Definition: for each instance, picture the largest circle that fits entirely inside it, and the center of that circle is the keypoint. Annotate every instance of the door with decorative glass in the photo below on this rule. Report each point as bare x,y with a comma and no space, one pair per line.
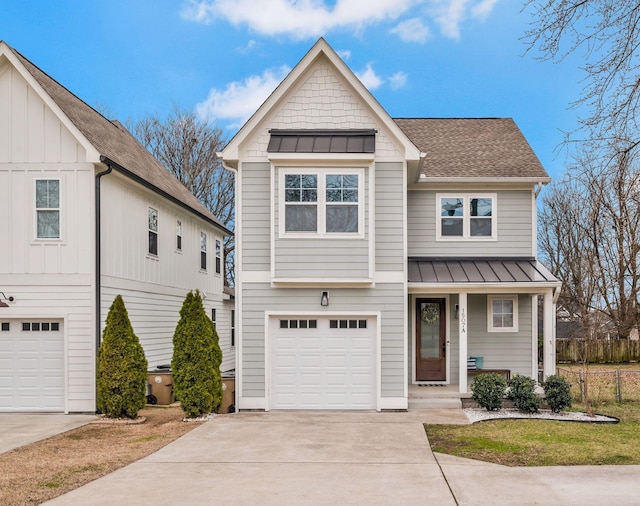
431,347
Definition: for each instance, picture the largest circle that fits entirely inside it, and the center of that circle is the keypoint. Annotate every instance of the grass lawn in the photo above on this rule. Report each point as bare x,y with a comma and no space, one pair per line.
546,443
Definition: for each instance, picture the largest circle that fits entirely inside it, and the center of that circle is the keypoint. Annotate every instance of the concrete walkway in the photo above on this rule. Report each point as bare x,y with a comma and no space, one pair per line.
341,458
20,429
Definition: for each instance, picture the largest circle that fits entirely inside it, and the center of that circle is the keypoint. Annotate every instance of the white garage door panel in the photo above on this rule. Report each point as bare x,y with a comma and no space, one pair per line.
31,368
322,367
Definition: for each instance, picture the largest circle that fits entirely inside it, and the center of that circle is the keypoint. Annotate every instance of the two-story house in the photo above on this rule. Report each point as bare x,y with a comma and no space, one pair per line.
87,213
376,254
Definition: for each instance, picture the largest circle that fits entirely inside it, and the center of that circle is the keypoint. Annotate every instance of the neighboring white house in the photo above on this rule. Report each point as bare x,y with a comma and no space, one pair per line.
376,254
87,213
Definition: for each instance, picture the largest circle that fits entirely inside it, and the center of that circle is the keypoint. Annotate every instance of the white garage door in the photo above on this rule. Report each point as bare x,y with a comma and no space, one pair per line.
323,363
31,365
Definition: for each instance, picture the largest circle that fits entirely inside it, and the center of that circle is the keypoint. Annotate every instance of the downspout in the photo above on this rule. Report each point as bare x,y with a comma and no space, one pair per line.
98,254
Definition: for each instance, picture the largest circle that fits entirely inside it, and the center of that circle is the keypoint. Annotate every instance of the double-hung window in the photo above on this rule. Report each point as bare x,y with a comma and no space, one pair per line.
218,256
502,313
153,231
203,251
322,202
179,235
48,208
470,217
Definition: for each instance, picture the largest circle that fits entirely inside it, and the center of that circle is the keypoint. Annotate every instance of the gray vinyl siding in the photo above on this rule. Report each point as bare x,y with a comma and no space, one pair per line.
390,196
256,217
514,222
260,297
501,350
318,257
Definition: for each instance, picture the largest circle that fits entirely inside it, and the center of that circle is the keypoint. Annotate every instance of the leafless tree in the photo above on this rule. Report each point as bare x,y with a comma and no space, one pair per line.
606,35
187,147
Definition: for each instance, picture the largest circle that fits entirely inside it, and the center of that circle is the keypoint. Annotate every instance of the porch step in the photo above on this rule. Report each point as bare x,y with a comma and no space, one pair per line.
435,403
434,397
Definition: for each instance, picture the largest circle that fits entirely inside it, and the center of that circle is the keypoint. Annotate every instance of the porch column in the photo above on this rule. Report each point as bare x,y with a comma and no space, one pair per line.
548,336
462,332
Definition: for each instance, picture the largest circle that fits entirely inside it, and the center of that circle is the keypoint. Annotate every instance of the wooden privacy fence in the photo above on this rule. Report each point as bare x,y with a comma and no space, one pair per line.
610,385
597,351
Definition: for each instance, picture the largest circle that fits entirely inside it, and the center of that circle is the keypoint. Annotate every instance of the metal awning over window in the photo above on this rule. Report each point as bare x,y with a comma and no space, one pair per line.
495,270
322,141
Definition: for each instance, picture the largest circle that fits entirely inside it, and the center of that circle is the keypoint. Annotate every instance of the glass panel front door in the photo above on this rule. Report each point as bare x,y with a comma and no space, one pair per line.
430,340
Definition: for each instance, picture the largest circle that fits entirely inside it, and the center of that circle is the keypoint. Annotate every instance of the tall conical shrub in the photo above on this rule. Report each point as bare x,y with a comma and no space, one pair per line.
194,360
217,375
122,367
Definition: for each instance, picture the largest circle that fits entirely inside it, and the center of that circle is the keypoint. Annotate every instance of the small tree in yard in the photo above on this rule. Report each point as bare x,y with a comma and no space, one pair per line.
194,364
217,375
122,367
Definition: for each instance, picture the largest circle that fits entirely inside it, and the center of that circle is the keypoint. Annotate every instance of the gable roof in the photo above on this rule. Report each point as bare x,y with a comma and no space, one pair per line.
320,49
115,144
473,148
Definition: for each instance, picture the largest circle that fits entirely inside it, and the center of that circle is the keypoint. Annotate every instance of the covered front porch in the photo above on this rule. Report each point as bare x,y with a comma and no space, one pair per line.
487,309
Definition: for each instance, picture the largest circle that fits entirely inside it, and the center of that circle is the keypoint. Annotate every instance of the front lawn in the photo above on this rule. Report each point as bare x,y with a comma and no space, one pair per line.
545,443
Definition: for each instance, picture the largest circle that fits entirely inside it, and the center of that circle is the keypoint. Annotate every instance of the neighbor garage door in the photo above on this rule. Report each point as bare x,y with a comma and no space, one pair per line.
323,363
31,365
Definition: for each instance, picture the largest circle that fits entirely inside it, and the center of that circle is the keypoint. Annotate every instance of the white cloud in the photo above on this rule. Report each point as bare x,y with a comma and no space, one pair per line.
240,99
449,14
247,47
345,54
398,80
369,78
298,18
411,30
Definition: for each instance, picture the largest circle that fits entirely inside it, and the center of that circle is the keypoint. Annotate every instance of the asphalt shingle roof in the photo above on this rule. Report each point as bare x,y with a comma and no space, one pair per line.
472,147
115,142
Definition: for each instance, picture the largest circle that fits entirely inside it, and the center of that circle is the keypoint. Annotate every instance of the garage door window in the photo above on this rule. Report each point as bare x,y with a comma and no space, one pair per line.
347,324
40,326
298,324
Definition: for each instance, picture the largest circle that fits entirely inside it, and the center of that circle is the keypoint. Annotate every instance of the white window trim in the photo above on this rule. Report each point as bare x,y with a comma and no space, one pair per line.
490,299
180,234
466,234
218,257
321,172
157,232
206,251
36,209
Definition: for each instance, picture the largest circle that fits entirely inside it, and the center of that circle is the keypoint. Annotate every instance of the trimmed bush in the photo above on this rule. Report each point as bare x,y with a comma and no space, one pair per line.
557,391
488,390
121,374
522,393
194,360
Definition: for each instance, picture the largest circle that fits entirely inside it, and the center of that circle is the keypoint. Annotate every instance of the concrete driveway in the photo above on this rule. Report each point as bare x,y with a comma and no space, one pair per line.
341,458
20,429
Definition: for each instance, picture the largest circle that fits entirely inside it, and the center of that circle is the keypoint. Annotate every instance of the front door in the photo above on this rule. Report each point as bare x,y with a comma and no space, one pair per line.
431,348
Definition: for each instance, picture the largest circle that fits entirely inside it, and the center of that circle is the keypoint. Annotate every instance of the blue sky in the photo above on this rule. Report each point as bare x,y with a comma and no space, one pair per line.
221,58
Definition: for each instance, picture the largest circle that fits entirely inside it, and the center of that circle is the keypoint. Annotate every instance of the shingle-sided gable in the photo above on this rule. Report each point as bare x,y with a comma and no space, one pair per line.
470,147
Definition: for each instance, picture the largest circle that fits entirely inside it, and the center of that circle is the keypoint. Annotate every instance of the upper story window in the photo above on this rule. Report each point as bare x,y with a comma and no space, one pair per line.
153,231
203,251
466,217
502,313
48,208
179,235
218,256
322,202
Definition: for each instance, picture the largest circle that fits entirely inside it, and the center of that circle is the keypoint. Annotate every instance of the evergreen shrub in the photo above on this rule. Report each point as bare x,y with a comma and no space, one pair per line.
196,380
121,373
522,393
488,390
557,391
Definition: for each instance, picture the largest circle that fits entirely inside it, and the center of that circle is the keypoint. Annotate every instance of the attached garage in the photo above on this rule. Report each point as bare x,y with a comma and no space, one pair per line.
323,362
31,365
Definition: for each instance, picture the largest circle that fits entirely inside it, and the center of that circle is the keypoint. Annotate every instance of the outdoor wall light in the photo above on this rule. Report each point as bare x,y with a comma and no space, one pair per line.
457,311
324,299
2,302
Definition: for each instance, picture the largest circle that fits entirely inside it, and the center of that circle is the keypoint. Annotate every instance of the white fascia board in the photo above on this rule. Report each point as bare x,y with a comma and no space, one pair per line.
93,156
529,288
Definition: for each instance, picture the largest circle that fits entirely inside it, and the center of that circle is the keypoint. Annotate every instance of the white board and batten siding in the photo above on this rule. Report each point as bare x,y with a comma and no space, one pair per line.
153,287
50,279
514,220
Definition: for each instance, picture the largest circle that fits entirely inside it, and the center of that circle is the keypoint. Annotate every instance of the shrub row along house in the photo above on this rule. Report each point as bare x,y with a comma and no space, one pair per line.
88,213
372,254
